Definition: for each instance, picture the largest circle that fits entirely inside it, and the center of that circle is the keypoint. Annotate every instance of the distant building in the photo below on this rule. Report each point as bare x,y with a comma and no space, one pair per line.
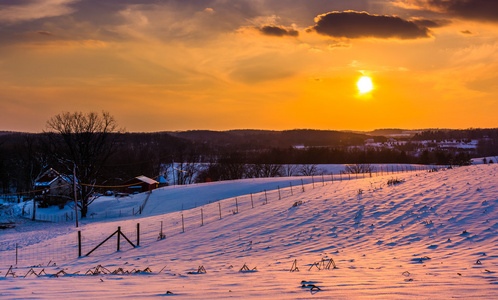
140,184
53,188
162,181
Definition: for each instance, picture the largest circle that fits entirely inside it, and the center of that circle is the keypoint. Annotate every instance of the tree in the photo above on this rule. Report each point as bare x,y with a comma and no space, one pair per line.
358,169
290,170
308,170
82,143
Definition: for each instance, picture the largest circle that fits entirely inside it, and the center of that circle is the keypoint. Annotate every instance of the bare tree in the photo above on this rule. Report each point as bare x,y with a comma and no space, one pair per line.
33,159
254,170
358,169
290,170
263,170
308,170
272,170
82,143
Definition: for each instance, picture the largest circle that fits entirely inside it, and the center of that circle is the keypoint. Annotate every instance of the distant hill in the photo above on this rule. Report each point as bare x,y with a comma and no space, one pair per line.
250,139
6,132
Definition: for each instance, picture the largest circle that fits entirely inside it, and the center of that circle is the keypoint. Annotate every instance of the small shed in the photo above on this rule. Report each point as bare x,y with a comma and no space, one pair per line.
162,181
140,184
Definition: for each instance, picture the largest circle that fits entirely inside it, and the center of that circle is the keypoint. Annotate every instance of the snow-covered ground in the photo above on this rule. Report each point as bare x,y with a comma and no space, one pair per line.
433,235
177,198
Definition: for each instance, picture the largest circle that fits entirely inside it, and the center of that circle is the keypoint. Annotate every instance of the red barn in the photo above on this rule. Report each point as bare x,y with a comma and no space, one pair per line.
140,184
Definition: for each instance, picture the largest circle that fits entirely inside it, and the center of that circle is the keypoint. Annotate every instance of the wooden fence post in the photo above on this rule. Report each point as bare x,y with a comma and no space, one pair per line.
202,218
219,206
279,192
290,183
252,203
138,234
237,204
161,234
313,181
302,184
183,225
119,237
266,198
79,243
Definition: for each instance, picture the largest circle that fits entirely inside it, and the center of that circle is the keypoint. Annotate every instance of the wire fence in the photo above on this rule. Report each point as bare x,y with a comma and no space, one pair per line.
67,247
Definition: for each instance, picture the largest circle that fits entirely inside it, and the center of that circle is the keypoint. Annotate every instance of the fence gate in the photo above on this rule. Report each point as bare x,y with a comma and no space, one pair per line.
118,233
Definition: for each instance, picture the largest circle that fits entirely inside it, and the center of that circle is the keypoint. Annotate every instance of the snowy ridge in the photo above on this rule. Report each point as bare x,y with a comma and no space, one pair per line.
432,235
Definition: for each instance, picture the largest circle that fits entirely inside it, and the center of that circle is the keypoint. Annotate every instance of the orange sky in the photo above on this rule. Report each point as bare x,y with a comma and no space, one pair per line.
201,64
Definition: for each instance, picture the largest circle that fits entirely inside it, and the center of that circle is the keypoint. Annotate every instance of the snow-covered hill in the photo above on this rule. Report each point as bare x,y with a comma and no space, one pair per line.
432,235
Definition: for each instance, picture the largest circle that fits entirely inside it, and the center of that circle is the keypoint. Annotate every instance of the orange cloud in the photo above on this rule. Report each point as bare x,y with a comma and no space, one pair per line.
36,9
279,31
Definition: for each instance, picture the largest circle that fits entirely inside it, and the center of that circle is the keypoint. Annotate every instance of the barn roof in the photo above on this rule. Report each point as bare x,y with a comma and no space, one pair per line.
146,179
49,176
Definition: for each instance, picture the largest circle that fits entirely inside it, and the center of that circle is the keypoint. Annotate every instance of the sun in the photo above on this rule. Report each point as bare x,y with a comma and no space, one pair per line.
364,85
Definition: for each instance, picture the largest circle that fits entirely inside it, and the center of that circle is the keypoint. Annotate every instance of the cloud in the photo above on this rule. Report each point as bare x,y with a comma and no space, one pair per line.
263,68
352,24
46,33
480,10
339,45
467,32
430,23
279,31
33,10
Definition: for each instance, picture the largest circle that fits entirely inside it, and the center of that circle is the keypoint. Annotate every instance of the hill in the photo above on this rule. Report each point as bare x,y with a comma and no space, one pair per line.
264,139
410,235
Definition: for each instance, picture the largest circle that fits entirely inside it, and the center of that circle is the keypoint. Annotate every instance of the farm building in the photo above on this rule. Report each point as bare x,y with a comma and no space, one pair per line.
140,184
53,188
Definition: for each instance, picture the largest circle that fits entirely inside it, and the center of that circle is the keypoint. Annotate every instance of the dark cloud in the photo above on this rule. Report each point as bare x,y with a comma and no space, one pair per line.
472,9
46,33
352,24
279,31
481,10
431,23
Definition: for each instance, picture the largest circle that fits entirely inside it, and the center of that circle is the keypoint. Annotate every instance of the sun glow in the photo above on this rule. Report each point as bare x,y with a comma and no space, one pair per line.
364,85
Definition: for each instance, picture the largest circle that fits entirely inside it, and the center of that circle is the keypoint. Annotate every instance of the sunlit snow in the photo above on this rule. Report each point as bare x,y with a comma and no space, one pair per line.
433,235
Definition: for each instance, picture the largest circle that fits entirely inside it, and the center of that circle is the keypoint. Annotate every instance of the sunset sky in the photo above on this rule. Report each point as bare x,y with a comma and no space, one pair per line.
261,64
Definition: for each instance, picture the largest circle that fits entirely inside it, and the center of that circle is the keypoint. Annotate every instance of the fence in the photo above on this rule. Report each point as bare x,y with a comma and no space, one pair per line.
66,247
11,198
118,213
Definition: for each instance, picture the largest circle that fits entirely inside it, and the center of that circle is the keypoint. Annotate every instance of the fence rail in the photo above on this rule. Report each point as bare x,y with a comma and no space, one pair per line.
68,247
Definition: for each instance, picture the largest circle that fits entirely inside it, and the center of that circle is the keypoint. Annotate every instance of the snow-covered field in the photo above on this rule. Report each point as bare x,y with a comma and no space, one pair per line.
431,236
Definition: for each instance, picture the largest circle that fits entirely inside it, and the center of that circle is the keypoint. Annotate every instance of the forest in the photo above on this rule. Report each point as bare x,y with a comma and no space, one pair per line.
222,155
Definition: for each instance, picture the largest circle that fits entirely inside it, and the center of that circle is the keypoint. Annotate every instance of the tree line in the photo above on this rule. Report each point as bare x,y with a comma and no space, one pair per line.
92,146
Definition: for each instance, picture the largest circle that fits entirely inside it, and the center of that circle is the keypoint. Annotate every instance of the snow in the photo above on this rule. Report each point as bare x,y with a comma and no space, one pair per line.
432,236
